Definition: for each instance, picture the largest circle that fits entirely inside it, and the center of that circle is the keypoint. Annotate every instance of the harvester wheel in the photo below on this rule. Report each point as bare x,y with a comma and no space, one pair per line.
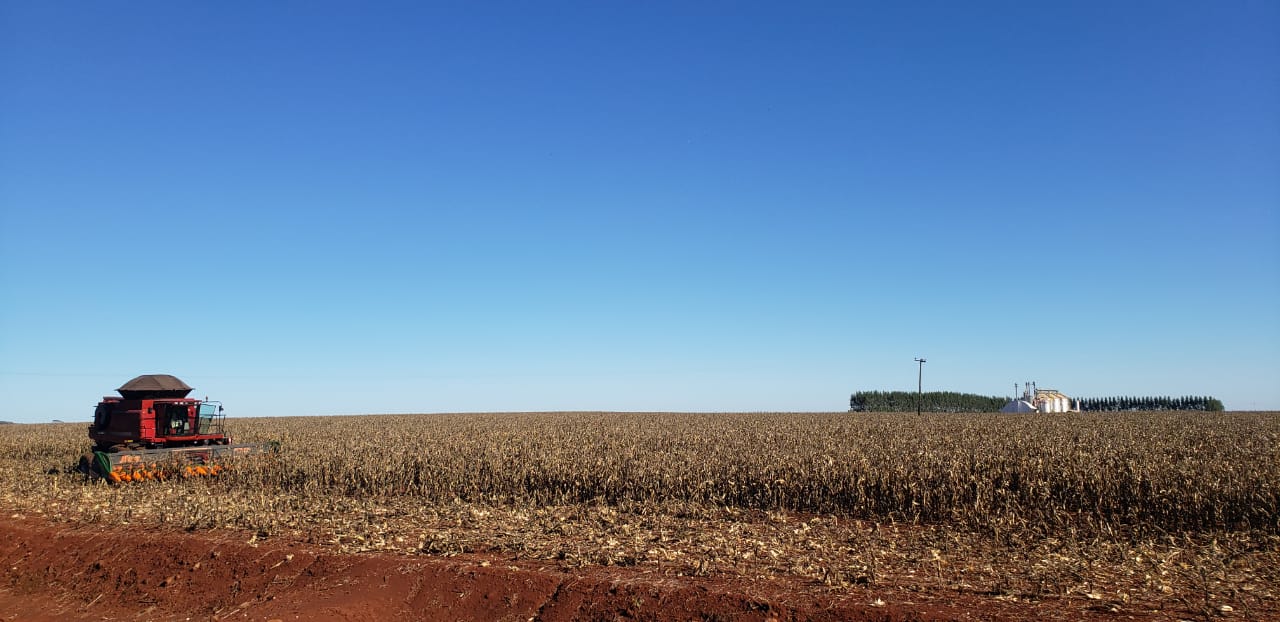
86,464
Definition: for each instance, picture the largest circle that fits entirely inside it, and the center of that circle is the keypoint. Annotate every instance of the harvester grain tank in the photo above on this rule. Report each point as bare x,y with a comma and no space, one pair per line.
154,431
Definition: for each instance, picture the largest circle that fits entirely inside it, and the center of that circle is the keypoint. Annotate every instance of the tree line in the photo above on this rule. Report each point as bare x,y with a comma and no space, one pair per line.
1188,402
932,401
953,402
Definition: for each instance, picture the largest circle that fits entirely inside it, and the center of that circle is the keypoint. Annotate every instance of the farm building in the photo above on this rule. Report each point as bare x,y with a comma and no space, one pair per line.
1036,400
1018,406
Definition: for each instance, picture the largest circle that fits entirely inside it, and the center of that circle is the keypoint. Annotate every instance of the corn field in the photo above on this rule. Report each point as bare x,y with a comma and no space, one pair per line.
1167,472
1187,471
1186,500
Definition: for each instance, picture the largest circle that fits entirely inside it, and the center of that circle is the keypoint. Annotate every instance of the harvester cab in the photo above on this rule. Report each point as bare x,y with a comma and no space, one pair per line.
209,417
154,431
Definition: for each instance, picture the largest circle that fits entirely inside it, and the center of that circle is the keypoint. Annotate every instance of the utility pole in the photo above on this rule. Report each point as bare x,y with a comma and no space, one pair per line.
919,383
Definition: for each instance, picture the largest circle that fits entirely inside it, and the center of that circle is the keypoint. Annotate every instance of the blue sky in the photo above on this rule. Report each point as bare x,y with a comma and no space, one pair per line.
335,207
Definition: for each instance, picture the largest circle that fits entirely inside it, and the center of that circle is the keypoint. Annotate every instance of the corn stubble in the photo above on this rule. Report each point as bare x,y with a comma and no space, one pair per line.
1125,511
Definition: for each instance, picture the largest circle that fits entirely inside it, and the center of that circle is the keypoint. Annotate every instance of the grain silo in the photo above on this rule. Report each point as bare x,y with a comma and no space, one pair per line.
1041,401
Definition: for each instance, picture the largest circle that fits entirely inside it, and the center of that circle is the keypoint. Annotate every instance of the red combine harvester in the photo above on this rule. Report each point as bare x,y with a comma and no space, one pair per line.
154,431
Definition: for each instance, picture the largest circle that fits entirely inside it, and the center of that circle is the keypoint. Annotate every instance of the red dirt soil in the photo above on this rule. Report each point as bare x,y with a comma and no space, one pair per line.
84,572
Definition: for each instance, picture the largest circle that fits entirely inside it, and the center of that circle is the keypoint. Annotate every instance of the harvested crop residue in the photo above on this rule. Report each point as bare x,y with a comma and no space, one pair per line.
85,572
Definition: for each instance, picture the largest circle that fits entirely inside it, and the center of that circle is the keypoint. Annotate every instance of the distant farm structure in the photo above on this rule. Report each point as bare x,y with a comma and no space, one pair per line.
1032,400
1036,400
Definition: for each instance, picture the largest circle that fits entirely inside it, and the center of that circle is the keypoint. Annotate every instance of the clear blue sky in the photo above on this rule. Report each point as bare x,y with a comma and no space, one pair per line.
338,207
